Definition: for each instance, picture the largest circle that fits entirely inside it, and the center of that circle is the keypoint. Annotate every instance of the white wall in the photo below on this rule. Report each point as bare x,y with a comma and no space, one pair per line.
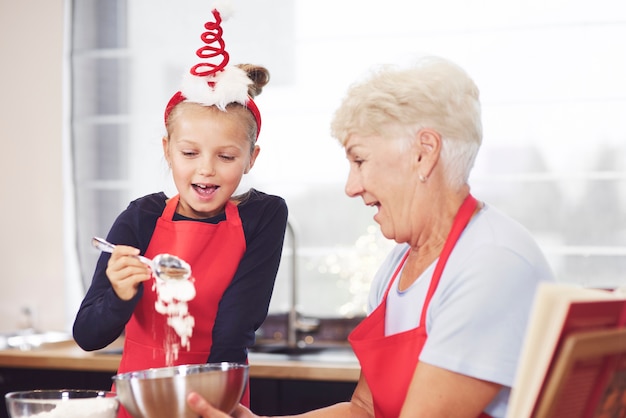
31,125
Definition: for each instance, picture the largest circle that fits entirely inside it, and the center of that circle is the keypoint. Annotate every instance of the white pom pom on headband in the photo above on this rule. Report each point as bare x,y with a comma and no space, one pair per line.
212,84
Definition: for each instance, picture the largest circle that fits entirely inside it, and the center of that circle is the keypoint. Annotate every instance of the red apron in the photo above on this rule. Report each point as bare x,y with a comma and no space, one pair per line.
388,362
213,251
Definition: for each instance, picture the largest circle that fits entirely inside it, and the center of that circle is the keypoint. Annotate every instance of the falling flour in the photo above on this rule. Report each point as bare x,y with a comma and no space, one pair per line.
172,298
80,408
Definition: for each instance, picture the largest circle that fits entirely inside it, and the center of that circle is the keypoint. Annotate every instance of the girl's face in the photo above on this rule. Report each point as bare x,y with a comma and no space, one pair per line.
208,151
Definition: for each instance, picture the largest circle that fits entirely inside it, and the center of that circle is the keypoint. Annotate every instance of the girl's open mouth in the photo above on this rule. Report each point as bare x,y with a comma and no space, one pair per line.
204,190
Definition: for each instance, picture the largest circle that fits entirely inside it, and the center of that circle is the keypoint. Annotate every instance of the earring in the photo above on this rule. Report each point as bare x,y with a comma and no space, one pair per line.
422,178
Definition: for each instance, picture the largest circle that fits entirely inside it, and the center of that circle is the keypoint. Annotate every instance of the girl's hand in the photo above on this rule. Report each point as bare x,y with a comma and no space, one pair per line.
125,271
200,406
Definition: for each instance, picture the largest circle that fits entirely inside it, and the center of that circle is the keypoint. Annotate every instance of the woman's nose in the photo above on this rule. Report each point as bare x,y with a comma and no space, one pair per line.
353,185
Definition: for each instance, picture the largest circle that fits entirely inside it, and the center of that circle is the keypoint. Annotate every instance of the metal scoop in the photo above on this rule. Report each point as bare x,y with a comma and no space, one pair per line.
164,266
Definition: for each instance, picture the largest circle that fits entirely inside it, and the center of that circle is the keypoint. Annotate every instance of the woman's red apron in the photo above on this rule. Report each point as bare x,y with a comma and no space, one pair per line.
388,362
213,251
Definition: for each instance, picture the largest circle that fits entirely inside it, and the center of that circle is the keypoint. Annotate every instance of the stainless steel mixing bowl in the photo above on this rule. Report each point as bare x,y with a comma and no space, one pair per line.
162,392
64,403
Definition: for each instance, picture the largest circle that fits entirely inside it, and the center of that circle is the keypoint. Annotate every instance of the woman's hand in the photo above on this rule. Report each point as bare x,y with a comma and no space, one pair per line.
360,406
125,271
200,406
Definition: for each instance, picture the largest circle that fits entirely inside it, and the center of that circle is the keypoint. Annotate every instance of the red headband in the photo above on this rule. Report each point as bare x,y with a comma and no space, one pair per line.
178,97
207,78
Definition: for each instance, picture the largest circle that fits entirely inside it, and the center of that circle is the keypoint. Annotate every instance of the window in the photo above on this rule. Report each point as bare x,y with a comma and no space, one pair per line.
100,127
553,92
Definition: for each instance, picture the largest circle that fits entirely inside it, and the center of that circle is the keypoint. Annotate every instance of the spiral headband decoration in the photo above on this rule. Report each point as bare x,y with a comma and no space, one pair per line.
212,35
215,84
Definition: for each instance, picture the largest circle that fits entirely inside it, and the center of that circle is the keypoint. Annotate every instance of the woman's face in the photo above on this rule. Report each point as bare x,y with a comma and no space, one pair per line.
208,152
382,173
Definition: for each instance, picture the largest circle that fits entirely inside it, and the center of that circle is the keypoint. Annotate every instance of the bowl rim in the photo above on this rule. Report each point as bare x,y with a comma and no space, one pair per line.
180,370
25,394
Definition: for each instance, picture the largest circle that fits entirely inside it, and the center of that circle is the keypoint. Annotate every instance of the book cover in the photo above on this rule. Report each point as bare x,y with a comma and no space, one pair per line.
573,352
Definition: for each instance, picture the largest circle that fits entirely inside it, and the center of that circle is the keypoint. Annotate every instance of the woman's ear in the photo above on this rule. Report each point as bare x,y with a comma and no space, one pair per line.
429,142
255,153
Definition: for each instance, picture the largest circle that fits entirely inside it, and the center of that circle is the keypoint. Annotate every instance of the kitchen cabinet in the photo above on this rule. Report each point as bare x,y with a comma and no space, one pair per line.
287,396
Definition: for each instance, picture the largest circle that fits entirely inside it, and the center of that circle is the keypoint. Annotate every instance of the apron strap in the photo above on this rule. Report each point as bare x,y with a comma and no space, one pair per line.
232,213
461,220
170,208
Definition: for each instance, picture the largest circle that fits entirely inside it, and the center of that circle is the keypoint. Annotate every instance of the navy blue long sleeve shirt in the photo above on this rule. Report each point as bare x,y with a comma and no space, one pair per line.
102,316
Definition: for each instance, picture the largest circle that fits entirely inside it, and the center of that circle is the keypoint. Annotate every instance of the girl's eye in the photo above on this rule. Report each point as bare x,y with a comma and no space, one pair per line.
227,157
189,153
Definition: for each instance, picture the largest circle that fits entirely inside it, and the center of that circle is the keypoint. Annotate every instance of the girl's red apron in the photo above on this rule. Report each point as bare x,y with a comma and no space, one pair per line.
213,251
388,362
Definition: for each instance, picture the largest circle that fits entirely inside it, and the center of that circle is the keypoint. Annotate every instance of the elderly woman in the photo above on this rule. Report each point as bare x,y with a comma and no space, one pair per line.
449,306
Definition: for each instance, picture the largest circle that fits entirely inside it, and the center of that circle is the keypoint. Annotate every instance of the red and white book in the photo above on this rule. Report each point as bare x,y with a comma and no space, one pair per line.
573,361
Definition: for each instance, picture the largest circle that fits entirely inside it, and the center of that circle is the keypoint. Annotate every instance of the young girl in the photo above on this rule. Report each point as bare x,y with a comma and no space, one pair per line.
232,243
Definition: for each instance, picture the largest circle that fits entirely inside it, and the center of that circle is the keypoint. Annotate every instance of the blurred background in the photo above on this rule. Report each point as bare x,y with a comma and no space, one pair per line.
551,75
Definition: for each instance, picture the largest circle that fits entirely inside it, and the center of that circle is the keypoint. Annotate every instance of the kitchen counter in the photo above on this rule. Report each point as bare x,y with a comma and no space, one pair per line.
280,384
327,365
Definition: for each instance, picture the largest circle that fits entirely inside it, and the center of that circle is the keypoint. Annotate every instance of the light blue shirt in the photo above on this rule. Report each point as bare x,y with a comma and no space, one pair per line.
477,318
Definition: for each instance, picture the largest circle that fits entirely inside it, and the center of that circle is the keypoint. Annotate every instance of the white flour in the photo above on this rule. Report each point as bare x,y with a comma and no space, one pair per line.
80,408
172,298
